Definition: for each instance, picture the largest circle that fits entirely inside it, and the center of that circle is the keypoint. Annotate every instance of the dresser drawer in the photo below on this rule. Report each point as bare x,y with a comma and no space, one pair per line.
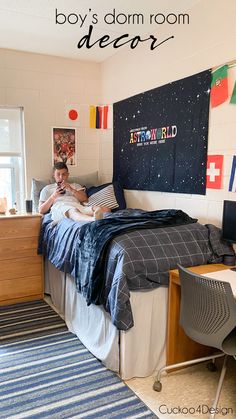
18,247
20,227
20,268
19,288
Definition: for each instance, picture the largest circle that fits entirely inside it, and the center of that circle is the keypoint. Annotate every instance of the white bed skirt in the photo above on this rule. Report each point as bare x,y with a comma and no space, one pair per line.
137,352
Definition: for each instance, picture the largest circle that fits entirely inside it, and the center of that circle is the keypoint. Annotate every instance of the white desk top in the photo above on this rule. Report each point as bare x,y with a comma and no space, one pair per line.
226,275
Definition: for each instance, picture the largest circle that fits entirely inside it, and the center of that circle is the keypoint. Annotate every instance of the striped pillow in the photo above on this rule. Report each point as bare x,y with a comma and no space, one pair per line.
104,198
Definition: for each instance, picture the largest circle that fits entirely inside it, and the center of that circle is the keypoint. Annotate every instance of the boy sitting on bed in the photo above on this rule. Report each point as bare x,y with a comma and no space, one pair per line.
67,200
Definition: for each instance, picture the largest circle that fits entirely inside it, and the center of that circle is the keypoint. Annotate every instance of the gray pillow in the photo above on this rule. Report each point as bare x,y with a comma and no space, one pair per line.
37,185
85,180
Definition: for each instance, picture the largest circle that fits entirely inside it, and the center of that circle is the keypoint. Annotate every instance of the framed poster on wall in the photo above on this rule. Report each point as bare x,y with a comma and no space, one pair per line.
64,145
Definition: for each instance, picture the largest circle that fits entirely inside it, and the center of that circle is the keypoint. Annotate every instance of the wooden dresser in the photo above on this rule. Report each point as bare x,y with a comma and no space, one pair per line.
21,268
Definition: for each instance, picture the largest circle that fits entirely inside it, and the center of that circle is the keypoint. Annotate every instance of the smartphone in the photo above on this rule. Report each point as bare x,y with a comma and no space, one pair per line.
62,191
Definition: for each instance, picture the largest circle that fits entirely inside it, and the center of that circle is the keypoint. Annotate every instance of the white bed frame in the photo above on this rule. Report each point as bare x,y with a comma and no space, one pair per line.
137,352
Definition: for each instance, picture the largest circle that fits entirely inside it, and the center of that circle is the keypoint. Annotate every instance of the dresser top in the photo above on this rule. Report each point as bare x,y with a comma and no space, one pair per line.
8,216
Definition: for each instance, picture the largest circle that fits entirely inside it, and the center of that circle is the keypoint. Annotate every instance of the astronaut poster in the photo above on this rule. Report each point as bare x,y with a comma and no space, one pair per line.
160,137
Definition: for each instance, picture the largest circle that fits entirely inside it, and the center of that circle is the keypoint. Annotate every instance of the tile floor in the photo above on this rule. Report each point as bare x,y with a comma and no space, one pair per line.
188,389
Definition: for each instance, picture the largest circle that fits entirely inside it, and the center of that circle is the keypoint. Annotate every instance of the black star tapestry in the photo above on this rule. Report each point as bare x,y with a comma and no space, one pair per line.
160,137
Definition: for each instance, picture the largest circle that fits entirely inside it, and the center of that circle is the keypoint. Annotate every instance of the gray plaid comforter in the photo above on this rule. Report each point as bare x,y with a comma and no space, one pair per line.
142,260
136,260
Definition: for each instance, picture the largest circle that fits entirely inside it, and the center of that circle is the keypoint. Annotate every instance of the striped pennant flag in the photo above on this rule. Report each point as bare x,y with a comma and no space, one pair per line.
105,116
92,116
99,113
98,117
232,181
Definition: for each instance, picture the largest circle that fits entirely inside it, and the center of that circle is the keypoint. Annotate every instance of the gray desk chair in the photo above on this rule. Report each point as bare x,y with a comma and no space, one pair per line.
208,316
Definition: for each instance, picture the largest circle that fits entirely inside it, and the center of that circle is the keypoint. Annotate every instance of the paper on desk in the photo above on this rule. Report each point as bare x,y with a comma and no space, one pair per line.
225,275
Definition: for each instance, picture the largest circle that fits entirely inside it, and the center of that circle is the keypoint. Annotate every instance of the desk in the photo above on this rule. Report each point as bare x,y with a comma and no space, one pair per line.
179,346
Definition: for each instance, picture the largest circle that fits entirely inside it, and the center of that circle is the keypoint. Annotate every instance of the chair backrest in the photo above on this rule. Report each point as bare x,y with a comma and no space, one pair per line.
208,311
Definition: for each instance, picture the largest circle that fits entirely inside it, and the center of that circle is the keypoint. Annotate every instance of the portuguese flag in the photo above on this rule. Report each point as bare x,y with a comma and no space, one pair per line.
219,86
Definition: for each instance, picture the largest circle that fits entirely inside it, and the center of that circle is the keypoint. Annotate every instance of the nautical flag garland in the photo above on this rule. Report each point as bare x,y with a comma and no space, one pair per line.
105,117
98,117
233,97
92,116
232,181
219,86
72,111
214,171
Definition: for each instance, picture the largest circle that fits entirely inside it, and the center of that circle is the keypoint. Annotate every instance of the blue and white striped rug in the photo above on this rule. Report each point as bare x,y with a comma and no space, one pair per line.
46,372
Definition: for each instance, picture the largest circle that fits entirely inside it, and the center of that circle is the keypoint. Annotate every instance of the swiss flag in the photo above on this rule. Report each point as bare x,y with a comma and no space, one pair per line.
214,171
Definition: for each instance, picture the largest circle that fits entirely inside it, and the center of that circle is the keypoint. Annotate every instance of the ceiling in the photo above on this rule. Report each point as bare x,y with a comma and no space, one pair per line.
30,25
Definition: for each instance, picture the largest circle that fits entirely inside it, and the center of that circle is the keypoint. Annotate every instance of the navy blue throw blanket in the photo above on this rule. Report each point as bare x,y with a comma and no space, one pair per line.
96,236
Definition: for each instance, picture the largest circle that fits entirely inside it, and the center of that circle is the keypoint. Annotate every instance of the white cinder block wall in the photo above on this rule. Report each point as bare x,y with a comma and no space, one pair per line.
44,85
208,41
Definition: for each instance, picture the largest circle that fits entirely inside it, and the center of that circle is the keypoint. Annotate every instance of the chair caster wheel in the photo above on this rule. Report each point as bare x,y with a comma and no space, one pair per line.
157,386
211,366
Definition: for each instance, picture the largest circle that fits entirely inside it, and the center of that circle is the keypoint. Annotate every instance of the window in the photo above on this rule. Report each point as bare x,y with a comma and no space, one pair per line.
12,172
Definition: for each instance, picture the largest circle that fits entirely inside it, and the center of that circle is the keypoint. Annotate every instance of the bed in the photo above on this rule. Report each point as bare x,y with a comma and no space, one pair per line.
122,320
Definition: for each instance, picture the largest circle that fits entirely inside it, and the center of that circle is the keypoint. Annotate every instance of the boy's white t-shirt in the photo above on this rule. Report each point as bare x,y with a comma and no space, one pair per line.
62,203
48,190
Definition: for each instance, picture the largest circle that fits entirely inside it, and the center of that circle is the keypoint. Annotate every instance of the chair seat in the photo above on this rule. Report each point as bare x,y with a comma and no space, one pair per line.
229,344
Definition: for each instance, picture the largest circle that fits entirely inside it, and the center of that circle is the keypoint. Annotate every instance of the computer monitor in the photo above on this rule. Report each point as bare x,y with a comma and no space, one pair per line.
229,221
